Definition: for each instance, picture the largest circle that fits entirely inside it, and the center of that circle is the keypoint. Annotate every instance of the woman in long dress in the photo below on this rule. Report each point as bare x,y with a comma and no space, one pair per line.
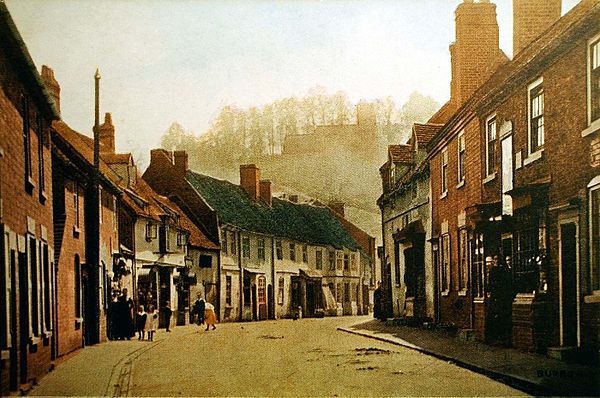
209,315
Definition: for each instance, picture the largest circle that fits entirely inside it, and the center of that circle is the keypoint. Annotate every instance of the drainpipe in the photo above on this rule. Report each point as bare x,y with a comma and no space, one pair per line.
273,300
239,256
219,298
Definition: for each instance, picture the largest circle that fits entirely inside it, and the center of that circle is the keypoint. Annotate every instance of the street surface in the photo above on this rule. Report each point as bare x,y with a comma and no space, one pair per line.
308,357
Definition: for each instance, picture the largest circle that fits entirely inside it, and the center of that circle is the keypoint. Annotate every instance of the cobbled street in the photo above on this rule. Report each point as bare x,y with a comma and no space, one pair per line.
308,357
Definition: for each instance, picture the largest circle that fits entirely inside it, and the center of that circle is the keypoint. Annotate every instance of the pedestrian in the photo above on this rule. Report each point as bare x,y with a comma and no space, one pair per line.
124,316
140,322
151,322
166,312
499,306
198,309
377,301
209,315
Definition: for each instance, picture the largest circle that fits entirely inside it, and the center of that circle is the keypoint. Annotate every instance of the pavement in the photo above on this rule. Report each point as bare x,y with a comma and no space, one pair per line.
530,372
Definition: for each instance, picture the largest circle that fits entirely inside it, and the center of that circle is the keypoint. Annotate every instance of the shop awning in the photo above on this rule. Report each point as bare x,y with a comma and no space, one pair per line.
143,273
330,303
311,273
532,194
254,271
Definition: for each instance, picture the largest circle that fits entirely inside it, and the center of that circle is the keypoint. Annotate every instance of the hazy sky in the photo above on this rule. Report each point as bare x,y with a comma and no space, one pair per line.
182,60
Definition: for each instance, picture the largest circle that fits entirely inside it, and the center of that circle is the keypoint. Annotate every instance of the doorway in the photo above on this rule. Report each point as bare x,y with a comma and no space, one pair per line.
568,284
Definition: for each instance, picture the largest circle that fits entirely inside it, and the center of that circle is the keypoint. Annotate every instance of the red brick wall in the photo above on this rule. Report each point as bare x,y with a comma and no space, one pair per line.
69,337
456,308
17,203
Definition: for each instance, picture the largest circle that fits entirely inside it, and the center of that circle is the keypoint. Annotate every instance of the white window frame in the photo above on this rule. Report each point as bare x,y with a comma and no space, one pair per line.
261,252
461,149
593,125
444,172
593,186
490,174
446,263
536,154
246,247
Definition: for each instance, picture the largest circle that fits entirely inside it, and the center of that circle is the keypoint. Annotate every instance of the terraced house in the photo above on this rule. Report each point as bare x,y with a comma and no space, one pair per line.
27,274
278,258
514,179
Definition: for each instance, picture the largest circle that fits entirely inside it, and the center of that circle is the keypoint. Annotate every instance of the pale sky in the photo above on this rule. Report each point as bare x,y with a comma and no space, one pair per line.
182,60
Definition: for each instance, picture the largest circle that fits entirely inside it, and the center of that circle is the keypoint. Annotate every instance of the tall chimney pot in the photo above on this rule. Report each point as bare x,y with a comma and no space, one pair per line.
249,180
52,85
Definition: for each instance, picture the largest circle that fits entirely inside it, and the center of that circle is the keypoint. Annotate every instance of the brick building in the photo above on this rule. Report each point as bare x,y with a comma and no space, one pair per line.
514,178
27,273
275,255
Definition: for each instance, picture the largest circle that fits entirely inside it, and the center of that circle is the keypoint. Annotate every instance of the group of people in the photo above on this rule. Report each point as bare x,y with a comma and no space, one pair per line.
204,313
146,322
124,323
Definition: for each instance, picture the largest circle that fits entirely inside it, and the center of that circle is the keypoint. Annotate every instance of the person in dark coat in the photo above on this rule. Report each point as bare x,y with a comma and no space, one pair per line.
377,313
124,316
198,310
499,317
167,312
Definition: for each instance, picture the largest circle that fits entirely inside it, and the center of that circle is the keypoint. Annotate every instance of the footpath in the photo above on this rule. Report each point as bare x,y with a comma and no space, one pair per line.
530,372
99,370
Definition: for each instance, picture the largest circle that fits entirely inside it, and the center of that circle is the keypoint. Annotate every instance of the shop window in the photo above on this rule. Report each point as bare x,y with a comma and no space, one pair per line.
478,263
463,260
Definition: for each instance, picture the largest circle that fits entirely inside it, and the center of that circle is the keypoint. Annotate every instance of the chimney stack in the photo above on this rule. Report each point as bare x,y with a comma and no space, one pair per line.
107,135
475,54
266,195
531,18
249,180
181,161
294,198
337,207
52,85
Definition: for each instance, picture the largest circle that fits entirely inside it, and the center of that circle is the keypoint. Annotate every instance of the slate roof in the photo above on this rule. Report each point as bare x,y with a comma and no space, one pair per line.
425,132
400,153
301,222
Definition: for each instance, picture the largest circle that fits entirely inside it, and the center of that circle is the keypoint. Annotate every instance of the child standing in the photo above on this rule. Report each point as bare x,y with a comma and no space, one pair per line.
151,322
140,322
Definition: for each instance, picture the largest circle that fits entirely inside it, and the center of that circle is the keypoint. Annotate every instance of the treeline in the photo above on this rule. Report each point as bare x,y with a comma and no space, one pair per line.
238,135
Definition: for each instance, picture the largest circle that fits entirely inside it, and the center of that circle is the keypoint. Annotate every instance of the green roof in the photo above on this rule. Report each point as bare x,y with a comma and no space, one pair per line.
301,222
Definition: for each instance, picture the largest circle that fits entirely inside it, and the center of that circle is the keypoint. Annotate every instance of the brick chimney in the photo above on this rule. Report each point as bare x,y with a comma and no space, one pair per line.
476,53
249,180
531,18
181,161
157,156
107,135
266,194
337,207
51,85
